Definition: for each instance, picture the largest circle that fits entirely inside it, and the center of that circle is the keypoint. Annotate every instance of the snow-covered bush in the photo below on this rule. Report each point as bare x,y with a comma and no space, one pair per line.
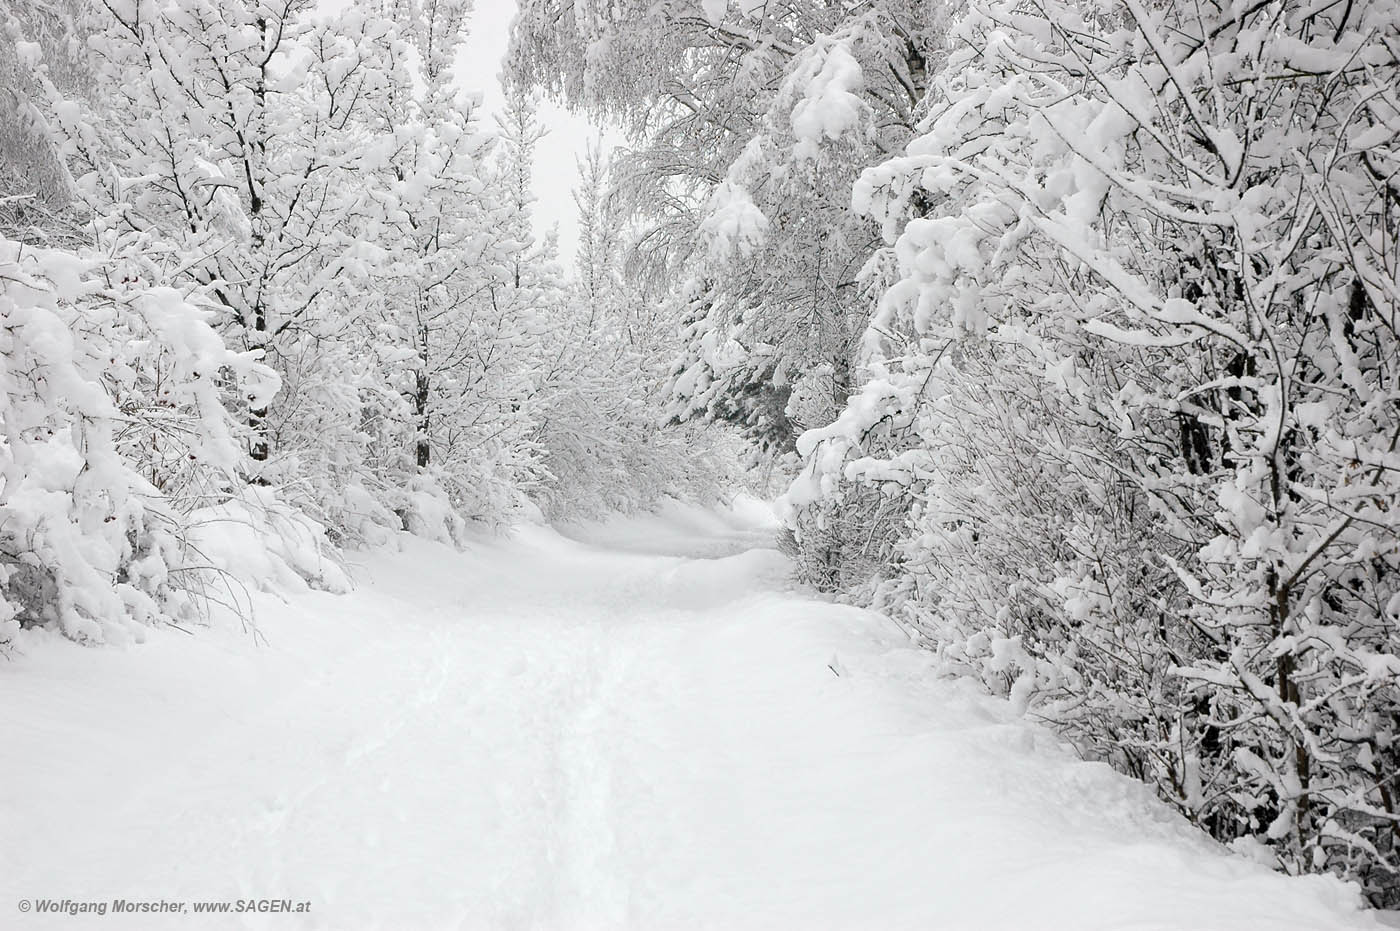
254,537
112,407
1135,385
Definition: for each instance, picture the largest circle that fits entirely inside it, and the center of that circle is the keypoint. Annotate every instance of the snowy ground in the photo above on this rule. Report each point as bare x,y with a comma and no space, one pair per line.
636,726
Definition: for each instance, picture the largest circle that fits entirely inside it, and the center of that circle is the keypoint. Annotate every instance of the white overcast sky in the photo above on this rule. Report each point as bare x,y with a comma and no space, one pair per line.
478,68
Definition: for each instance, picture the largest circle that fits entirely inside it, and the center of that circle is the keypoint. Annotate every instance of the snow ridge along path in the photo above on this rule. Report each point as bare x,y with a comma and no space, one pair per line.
640,727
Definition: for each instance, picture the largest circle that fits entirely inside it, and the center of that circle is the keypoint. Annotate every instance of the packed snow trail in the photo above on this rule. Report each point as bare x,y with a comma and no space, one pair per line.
640,728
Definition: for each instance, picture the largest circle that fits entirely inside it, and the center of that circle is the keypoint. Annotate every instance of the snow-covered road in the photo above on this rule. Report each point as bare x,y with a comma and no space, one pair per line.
644,730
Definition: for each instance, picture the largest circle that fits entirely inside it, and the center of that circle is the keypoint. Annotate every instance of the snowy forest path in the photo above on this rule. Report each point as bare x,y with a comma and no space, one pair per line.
641,727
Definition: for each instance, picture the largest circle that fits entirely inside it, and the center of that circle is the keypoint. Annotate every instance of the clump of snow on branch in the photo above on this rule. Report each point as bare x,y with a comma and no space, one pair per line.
828,85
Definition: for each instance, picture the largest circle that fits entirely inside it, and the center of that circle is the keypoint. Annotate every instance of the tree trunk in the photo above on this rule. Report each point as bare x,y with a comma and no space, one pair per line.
420,410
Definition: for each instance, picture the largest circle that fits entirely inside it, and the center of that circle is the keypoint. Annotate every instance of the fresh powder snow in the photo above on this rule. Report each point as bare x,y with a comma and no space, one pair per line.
641,723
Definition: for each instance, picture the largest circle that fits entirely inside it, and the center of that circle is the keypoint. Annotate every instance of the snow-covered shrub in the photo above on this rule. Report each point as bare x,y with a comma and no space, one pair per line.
1135,385
112,397
256,538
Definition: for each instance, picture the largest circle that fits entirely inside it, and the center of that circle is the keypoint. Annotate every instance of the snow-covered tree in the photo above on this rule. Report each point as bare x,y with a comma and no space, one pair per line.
442,262
231,131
